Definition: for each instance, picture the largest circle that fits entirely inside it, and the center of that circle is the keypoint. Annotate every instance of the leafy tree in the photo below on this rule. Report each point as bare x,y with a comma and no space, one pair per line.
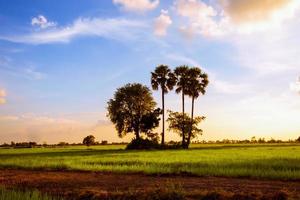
298,139
132,110
89,140
181,74
163,78
176,121
197,82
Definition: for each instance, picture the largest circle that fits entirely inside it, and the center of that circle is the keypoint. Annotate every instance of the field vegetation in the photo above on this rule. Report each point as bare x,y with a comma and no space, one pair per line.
9,194
267,161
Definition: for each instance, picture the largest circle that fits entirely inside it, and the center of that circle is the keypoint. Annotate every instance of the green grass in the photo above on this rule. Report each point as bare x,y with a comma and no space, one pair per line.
271,161
18,195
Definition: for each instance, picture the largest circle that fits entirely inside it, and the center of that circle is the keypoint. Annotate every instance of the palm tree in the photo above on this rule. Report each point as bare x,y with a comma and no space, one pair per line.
163,78
181,74
197,82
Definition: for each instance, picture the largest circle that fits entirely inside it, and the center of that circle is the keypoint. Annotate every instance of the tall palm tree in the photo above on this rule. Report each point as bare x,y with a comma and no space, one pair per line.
181,73
163,78
197,82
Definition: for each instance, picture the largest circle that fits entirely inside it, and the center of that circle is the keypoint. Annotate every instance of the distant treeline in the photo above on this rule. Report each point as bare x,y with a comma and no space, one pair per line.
60,144
253,140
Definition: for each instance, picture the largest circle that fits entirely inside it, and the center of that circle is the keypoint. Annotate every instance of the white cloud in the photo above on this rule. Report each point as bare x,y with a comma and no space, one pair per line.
247,11
227,17
2,96
264,33
117,29
295,87
42,22
161,24
201,18
137,5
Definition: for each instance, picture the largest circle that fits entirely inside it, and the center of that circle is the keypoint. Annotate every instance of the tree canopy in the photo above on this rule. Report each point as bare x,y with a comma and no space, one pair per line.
178,122
89,140
132,110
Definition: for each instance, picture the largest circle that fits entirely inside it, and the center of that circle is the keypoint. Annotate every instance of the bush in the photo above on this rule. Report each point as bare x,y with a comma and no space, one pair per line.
141,143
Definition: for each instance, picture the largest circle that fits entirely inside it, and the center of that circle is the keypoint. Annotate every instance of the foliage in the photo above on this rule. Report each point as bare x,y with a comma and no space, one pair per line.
163,78
181,74
178,122
197,82
89,140
150,121
129,108
140,143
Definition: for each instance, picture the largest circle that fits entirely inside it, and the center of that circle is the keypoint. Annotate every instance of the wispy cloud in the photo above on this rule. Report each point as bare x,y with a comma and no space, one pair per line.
112,28
29,72
225,87
72,127
42,22
137,5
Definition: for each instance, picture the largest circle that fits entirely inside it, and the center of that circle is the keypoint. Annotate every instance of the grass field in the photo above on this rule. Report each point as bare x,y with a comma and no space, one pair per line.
20,195
270,161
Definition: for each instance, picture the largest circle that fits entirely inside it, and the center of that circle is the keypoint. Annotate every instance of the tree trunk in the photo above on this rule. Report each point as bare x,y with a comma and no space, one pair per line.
137,134
183,137
163,118
191,125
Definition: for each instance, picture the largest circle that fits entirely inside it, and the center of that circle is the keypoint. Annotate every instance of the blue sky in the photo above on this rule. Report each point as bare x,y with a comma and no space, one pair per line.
61,61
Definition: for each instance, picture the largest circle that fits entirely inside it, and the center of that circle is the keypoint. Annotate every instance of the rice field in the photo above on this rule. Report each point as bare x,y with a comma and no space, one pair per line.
266,161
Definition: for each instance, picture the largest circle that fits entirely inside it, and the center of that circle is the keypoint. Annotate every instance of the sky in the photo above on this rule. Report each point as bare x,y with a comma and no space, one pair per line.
62,60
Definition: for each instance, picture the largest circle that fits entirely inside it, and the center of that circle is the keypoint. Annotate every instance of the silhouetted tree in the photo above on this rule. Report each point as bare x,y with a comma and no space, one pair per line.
89,140
176,120
298,139
132,110
197,82
163,78
181,74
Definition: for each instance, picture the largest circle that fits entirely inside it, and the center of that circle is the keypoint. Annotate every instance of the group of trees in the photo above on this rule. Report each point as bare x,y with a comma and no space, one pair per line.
188,81
133,109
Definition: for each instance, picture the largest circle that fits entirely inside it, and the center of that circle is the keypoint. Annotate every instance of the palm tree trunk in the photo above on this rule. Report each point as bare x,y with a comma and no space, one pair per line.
163,118
183,137
191,125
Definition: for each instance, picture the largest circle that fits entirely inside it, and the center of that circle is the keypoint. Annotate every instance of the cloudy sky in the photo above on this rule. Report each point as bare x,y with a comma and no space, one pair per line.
60,62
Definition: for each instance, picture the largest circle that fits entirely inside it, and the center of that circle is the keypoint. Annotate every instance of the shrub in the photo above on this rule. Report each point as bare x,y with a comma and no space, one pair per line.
89,140
141,143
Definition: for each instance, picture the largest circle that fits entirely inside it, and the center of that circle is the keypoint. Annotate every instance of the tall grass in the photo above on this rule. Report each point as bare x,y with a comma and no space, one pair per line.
18,195
278,161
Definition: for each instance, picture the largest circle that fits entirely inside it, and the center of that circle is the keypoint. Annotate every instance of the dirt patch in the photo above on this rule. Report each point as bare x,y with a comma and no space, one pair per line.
69,183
